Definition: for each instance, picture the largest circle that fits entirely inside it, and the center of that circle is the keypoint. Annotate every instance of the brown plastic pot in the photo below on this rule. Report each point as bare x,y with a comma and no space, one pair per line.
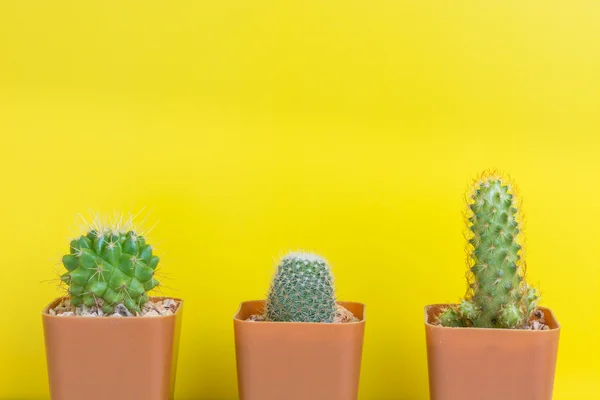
490,364
297,360
112,358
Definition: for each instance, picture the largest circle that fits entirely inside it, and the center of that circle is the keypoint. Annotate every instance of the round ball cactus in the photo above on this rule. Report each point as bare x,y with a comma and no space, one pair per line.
116,267
302,290
499,296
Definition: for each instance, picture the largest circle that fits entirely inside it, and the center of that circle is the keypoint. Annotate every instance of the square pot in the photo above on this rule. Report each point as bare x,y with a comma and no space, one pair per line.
298,360
100,358
490,364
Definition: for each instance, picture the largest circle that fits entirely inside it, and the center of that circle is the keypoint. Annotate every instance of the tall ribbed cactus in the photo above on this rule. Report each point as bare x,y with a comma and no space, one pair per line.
499,296
110,265
302,290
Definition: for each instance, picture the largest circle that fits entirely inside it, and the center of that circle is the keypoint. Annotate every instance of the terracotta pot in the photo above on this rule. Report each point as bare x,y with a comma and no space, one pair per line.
111,358
297,360
490,364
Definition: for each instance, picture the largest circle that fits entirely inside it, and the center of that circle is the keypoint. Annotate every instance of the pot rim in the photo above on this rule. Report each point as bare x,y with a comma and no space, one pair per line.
238,320
46,314
524,331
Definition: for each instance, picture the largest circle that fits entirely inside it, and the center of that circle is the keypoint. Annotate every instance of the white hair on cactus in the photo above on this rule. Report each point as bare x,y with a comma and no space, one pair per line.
304,256
114,224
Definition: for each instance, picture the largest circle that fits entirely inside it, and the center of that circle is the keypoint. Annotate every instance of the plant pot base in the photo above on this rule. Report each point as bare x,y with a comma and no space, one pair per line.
111,358
490,364
298,361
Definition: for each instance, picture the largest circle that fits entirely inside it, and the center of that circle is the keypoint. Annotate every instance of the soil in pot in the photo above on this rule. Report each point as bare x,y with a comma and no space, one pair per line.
342,316
153,308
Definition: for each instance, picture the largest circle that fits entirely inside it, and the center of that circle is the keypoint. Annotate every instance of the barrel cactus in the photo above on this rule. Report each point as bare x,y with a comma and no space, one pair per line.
302,290
499,295
108,267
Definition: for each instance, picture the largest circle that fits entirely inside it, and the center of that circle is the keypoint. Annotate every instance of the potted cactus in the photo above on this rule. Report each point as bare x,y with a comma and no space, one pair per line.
107,339
497,343
299,343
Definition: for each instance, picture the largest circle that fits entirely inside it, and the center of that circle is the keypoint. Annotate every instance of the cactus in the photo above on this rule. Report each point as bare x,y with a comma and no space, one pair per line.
112,265
498,295
302,290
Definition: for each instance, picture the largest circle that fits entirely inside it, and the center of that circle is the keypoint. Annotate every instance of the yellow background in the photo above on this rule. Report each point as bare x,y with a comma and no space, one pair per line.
351,128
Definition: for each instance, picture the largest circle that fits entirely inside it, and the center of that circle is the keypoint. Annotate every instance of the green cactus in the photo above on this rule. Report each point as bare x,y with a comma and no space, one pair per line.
114,266
498,296
302,290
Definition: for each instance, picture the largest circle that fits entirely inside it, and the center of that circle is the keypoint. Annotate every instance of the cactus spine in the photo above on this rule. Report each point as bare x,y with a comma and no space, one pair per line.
302,290
498,296
110,265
